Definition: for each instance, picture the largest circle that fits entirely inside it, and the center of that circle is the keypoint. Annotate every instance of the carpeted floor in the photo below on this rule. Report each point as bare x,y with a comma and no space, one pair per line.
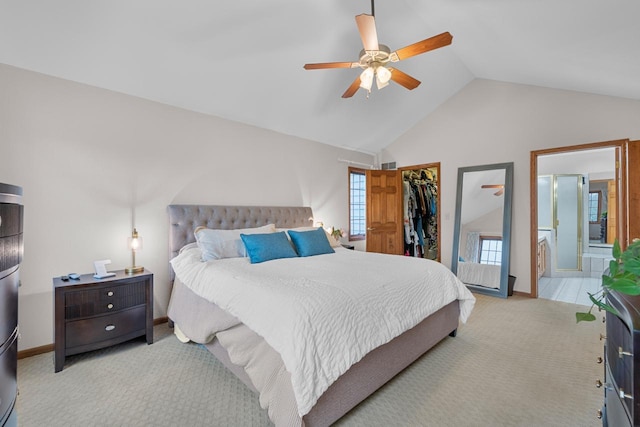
517,362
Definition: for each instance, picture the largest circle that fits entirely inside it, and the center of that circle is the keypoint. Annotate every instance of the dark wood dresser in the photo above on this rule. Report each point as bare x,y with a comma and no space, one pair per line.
622,369
96,313
11,250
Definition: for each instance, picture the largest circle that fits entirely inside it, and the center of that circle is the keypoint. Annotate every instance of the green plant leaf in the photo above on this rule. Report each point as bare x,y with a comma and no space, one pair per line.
613,267
632,266
626,286
586,317
599,302
623,277
616,249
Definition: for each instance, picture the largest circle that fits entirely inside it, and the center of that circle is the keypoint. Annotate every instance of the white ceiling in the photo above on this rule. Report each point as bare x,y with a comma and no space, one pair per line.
242,60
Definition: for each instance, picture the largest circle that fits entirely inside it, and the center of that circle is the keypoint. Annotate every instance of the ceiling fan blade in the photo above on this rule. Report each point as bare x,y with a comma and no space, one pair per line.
352,89
323,65
499,192
423,46
492,186
368,34
404,79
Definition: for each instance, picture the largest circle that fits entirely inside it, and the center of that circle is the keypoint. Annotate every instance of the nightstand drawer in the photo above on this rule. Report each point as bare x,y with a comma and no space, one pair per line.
11,219
104,328
90,302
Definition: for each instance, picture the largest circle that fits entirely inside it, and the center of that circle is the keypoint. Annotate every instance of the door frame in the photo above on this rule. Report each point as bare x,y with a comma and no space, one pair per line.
621,178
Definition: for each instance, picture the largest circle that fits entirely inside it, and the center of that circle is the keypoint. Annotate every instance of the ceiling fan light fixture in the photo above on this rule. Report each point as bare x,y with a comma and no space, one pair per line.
380,84
366,79
375,57
383,75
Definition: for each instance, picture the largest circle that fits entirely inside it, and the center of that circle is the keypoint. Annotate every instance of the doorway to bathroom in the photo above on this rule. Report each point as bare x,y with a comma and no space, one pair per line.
577,214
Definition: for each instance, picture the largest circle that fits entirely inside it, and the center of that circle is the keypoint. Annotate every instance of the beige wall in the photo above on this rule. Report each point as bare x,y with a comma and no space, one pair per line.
86,156
495,122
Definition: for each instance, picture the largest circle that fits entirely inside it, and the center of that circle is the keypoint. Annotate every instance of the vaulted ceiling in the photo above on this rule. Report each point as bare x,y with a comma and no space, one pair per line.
243,60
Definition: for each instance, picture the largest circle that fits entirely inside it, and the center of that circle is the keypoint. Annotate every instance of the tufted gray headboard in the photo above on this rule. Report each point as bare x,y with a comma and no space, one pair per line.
183,219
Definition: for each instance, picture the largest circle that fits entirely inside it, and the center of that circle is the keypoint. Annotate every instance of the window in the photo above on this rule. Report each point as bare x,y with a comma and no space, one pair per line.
357,204
490,250
594,206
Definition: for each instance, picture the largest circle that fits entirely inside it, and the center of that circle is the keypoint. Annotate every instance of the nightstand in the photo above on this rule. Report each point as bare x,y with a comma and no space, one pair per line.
95,313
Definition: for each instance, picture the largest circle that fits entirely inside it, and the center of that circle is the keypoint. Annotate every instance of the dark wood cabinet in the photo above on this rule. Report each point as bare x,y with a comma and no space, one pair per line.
622,368
95,313
11,214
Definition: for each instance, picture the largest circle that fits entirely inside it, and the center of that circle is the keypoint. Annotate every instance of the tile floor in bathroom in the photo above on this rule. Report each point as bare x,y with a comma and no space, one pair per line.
568,289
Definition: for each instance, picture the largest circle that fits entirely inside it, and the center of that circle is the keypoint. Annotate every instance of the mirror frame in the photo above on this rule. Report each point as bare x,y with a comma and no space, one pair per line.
506,227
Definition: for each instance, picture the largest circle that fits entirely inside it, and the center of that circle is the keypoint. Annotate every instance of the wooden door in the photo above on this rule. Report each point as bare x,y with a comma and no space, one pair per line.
384,212
612,212
633,179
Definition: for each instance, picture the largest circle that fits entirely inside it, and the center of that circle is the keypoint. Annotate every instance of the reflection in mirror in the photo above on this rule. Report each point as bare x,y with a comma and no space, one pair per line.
482,230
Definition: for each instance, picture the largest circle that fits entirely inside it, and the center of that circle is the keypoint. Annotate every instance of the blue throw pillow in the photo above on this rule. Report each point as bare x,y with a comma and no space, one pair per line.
265,247
310,243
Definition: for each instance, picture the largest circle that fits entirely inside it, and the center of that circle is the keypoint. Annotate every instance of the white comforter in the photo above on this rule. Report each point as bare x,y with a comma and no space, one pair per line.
474,273
324,313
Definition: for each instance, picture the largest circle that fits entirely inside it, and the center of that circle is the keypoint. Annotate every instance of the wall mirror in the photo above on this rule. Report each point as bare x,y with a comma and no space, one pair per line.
482,229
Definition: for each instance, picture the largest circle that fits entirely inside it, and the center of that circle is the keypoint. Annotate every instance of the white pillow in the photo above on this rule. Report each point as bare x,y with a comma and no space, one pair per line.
219,244
333,242
187,247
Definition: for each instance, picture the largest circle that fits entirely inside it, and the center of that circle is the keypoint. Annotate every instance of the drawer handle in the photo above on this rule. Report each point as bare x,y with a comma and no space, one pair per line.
623,395
109,306
110,293
623,353
110,327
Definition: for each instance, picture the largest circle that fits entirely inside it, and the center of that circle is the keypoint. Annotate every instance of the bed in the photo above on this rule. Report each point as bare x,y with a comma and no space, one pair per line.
248,351
473,273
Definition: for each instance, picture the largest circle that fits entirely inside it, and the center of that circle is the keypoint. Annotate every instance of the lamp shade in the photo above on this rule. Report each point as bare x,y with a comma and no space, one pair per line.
383,75
366,79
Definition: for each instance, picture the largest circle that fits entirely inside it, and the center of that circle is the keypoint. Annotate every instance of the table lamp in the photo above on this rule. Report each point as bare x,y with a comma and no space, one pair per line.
135,244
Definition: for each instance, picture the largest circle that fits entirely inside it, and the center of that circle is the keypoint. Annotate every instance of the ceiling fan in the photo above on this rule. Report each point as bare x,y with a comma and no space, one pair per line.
497,193
375,58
